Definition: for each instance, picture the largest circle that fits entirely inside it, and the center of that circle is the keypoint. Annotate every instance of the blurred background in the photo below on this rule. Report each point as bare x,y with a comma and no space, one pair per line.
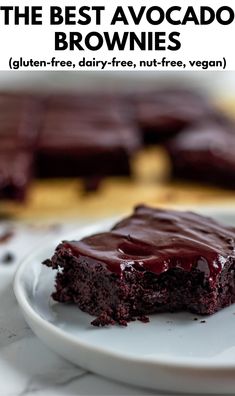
221,83
94,144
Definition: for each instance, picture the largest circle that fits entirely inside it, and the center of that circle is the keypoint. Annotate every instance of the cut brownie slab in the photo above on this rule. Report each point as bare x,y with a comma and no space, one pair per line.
153,261
78,140
206,153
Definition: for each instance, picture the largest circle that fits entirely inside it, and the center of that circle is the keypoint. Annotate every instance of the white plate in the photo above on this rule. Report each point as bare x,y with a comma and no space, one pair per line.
173,352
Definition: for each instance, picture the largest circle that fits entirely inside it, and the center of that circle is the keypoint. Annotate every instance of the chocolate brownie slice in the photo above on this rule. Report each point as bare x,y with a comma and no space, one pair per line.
205,153
153,261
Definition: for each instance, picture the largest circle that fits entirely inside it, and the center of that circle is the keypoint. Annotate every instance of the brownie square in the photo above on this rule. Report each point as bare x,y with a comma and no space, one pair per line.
205,153
152,261
82,140
161,114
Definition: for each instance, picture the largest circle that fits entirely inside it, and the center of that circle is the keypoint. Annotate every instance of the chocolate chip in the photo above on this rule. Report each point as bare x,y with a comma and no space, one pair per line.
202,321
8,258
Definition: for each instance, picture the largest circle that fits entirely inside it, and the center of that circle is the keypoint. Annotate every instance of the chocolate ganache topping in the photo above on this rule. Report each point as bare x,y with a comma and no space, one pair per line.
157,240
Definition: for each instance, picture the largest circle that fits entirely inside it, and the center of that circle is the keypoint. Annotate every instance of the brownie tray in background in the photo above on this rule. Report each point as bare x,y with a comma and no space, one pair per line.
94,135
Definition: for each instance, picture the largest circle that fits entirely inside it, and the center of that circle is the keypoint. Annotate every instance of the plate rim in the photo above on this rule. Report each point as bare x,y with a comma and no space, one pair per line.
185,363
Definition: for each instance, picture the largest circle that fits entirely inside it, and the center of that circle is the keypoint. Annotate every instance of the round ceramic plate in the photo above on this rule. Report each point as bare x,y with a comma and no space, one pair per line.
174,352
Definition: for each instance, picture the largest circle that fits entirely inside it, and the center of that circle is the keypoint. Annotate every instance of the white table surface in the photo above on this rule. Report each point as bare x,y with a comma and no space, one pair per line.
27,367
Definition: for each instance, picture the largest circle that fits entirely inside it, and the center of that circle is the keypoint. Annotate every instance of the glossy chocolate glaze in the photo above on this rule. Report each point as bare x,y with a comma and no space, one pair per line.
211,139
171,109
65,130
157,240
